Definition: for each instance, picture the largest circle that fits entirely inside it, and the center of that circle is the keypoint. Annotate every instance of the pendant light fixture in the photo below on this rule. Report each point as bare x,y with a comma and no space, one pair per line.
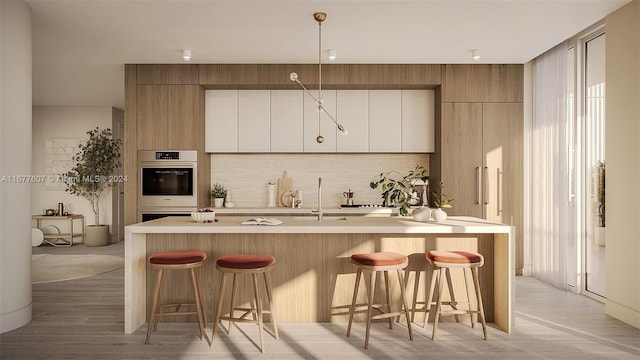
319,16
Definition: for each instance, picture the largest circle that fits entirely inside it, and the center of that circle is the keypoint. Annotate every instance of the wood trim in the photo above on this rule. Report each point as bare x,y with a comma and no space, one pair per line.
130,153
482,83
335,76
167,74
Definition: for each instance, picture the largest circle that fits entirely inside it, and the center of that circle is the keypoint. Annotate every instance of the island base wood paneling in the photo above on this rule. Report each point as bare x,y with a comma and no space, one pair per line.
314,282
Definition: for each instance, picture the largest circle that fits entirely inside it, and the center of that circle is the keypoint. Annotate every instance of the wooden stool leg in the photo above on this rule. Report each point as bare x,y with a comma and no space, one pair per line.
474,272
234,290
432,286
441,273
267,285
403,294
260,327
204,314
386,286
467,284
416,283
452,295
161,291
353,302
218,308
196,296
155,305
372,284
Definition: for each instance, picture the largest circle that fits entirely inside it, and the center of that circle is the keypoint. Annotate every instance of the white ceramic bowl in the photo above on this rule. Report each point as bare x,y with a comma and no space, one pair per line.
202,217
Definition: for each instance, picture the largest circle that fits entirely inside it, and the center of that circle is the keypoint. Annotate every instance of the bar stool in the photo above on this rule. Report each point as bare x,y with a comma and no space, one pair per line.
245,264
183,260
380,261
442,262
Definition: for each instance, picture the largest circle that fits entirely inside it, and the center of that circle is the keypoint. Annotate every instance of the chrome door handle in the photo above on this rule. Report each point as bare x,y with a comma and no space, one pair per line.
487,186
479,177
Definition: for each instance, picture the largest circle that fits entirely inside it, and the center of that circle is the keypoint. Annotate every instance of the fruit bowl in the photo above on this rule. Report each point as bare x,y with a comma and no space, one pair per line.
203,217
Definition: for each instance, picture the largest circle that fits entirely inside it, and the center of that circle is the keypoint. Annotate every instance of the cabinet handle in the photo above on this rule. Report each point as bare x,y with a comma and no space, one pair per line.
487,186
479,178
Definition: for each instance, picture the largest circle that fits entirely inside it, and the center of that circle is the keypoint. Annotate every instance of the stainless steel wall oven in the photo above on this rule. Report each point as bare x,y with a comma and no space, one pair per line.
168,181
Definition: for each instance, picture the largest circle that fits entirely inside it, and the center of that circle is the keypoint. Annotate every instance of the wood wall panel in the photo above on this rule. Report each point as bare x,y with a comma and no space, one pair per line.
130,153
152,117
482,83
163,74
185,129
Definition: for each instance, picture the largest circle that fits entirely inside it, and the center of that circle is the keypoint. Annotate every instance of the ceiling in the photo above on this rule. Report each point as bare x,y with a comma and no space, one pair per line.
80,46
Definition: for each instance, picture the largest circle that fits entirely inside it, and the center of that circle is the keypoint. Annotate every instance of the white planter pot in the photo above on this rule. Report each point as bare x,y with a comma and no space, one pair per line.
439,215
218,202
421,214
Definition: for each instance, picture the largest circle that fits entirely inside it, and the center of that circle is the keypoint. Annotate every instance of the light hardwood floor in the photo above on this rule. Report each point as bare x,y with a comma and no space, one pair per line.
83,319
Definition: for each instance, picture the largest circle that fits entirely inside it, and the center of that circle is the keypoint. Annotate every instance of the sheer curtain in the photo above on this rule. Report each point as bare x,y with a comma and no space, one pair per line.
552,217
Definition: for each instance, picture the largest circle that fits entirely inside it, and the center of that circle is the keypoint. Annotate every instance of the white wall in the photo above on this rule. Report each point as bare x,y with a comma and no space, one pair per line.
623,164
66,123
15,160
247,175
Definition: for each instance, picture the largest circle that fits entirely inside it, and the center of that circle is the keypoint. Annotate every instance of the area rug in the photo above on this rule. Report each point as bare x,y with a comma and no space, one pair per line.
49,268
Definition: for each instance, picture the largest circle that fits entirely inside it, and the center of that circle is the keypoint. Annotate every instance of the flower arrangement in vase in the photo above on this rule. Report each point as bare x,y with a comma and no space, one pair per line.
218,193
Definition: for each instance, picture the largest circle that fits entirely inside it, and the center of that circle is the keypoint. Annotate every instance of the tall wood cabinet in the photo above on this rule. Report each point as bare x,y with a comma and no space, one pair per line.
480,157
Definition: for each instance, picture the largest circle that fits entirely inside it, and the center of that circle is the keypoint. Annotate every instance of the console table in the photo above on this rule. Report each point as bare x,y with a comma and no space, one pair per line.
62,239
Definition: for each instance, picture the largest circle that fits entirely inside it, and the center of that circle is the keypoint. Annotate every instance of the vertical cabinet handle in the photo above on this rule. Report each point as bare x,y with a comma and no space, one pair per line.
479,177
487,186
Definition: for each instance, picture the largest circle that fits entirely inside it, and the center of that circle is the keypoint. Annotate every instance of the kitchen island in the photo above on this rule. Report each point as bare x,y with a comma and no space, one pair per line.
313,278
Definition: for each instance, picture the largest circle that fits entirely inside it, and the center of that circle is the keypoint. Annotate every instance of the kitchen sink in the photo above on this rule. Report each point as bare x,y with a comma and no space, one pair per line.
315,218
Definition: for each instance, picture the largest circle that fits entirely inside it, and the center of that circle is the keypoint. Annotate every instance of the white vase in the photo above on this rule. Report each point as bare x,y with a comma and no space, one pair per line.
218,202
421,214
439,215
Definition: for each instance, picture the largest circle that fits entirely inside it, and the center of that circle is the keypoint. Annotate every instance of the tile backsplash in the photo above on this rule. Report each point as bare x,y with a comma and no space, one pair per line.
247,175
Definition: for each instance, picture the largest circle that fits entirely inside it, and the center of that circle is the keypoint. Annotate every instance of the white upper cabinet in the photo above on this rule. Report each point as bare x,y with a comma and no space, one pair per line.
353,113
254,121
418,123
262,121
221,121
385,121
327,127
286,121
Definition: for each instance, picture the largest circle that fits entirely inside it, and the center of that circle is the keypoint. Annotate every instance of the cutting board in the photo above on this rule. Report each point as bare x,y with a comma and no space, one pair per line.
284,186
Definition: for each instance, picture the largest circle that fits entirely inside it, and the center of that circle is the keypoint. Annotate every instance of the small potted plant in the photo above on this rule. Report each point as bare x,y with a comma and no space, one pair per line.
218,193
95,166
398,189
440,201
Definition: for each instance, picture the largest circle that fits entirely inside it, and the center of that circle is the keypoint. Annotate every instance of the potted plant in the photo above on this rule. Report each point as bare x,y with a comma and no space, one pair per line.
440,201
398,189
94,172
218,193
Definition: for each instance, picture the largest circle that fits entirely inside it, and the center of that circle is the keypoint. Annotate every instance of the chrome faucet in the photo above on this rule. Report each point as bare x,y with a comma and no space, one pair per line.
319,211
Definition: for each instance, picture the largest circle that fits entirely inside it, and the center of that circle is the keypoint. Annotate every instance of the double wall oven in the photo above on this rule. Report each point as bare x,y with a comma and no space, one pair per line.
168,183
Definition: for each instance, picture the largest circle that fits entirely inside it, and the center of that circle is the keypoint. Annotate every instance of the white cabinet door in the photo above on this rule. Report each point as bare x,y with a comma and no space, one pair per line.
385,121
254,121
418,121
221,121
327,127
353,113
286,121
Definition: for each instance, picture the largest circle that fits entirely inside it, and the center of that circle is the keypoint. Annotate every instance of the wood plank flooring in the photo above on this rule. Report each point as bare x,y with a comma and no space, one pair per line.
83,319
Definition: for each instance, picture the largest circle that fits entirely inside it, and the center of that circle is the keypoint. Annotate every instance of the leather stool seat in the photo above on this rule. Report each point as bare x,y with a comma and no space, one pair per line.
240,261
378,259
177,257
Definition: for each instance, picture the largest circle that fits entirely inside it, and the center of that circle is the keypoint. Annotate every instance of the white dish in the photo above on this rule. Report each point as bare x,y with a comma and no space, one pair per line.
202,217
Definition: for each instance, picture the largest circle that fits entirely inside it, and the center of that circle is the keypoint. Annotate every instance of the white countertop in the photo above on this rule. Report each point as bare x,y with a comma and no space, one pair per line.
293,225
266,211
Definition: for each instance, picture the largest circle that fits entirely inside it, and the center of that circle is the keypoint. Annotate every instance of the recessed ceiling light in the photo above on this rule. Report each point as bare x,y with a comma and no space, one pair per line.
475,54
186,54
331,54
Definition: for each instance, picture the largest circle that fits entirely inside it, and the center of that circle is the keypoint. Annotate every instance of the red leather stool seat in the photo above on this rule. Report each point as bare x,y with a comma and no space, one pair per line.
454,257
177,257
378,259
242,261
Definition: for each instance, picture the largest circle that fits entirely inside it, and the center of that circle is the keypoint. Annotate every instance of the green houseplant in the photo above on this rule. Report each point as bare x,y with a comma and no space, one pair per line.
94,172
218,193
397,189
440,201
